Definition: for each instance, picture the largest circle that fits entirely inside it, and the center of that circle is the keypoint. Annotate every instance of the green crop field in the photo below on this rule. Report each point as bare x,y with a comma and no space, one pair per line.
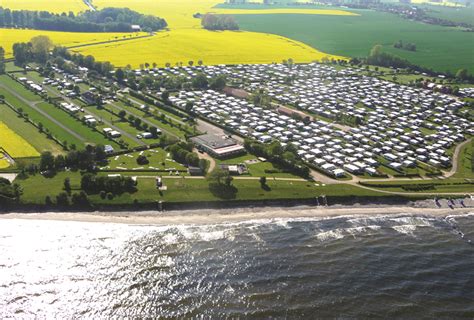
440,48
456,14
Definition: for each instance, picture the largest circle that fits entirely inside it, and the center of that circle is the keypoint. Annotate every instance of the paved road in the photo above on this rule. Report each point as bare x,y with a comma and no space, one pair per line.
138,103
143,119
34,106
68,100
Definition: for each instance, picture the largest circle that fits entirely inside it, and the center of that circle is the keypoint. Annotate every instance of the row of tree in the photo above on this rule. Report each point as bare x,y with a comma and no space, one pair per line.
211,21
37,49
105,20
405,46
85,159
378,57
93,184
183,153
285,157
102,68
2,60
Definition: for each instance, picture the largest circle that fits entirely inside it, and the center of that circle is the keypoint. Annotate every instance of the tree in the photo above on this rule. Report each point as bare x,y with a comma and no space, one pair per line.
263,181
2,60
40,47
67,185
21,53
120,75
165,95
218,83
62,199
200,81
461,74
46,161
376,50
142,160
122,114
80,200
189,106
47,201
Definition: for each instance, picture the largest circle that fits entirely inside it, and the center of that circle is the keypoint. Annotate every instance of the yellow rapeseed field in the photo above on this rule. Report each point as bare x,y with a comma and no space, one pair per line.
179,13
224,47
3,162
15,145
9,36
56,6
185,39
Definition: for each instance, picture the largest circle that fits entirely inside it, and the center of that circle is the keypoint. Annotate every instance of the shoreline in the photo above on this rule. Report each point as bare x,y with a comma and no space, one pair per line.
235,215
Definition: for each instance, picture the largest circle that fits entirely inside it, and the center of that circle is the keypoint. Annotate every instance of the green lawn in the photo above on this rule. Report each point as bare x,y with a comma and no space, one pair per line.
258,169
77,126
27,131
465,168
158,160
447,185
142,115
36,188
37,117
354,36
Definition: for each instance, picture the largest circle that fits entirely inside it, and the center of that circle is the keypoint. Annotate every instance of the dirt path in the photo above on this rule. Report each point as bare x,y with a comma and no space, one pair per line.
203,155
455,160
34,106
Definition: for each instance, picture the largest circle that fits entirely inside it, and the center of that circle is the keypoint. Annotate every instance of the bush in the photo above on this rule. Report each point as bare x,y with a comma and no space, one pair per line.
110,196
142,160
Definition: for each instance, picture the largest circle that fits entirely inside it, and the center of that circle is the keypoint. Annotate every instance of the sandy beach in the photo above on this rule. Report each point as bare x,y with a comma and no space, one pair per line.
214,216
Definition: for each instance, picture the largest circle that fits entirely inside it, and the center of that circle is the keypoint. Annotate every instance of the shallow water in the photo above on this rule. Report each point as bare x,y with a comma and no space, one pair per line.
395,266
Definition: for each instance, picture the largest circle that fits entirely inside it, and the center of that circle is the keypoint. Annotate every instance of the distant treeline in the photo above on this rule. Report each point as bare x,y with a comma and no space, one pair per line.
219,22
105,20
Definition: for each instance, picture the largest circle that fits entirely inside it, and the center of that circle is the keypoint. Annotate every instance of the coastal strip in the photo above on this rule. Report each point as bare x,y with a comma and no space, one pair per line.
219,216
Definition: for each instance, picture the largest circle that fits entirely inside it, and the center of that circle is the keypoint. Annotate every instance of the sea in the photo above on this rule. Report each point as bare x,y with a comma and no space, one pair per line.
350,267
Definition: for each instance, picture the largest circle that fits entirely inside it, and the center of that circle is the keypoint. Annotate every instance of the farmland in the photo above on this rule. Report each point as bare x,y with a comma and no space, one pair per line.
210,47
10,36
56,6
27,131
355,35
15,145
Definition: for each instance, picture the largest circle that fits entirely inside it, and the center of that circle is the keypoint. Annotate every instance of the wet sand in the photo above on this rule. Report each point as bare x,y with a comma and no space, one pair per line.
214,216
